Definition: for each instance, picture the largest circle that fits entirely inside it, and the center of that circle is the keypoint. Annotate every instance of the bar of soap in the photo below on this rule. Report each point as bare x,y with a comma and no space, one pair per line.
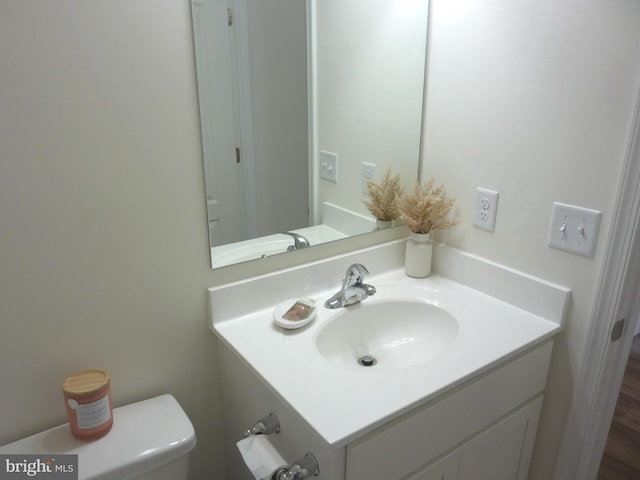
300,310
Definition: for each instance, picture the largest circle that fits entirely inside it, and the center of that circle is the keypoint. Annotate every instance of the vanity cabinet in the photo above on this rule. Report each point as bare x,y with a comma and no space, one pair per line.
483,429
469,413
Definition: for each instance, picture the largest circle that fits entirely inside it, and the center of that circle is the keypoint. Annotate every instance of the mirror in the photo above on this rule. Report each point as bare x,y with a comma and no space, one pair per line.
300,102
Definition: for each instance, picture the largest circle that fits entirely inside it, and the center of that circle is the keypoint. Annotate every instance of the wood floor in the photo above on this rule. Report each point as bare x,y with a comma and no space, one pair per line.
621,459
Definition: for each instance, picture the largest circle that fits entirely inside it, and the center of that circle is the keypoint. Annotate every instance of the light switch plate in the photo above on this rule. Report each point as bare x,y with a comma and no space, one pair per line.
574,229
329,166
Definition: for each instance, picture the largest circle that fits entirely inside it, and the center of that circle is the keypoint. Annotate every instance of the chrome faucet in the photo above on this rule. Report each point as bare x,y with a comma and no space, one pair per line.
299,241
353,289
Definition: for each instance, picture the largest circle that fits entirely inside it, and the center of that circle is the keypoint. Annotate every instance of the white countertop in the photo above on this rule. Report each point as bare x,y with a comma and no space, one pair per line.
341,403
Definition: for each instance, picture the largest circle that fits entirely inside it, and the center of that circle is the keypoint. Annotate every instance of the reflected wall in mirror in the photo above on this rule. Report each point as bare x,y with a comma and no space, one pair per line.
295,96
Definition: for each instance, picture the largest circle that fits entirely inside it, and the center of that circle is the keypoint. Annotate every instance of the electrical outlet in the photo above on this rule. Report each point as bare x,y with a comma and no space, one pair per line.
486,209
329,166
574,229
368,173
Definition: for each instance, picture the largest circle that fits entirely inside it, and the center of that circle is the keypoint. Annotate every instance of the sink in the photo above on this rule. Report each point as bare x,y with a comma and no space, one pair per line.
444,333
387,334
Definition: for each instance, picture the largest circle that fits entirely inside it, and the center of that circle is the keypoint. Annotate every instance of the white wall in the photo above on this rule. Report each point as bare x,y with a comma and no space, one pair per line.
534,99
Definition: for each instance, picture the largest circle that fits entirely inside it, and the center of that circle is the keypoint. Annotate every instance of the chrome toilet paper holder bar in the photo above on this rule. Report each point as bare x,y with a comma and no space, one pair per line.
304,467
265,426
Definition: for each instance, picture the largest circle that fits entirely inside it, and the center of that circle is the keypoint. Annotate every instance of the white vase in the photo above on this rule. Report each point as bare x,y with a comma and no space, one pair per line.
417,258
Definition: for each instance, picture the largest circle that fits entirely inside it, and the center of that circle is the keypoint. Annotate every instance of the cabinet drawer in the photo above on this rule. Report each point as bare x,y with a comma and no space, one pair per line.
419,436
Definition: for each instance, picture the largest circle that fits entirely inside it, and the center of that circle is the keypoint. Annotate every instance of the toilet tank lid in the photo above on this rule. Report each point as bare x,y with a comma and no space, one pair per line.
144,435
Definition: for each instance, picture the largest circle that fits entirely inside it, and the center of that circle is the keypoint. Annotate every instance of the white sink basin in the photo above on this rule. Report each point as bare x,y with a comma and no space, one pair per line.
387,334
400,327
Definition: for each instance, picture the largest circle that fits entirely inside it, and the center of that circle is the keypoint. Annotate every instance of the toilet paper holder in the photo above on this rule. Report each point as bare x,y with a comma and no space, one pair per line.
265,426
304,467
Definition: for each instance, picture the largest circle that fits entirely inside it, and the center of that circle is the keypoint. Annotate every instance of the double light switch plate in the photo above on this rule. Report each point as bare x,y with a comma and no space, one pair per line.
574,229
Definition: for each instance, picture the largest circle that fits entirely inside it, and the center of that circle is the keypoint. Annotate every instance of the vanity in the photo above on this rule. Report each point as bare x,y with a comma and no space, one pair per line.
452,386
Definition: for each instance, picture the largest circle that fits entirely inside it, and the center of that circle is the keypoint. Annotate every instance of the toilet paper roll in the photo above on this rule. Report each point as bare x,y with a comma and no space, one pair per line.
260,456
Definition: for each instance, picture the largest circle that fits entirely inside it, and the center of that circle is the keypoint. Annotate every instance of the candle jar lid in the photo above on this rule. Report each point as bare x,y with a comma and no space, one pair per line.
85,382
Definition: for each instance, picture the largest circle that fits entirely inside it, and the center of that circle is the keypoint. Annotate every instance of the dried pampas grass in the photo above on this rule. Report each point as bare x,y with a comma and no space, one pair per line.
425,208
383,195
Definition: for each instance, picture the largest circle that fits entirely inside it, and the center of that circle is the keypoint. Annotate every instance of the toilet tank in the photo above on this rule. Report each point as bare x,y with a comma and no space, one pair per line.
149,440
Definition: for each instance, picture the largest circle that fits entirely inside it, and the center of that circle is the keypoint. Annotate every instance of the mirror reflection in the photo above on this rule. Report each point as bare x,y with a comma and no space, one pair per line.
301,102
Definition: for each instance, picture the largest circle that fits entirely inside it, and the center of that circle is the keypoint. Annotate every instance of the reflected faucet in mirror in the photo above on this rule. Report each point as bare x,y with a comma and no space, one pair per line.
299,241
286,87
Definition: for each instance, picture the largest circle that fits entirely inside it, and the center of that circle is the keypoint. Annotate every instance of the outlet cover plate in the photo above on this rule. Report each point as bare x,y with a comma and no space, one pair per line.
574,229
486,209
368,173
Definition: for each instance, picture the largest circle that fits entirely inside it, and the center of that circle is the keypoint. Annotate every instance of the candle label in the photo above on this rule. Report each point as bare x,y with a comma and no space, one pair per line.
92,414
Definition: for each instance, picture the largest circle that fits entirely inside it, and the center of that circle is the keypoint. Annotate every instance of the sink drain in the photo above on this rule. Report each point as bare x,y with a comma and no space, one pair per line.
367,361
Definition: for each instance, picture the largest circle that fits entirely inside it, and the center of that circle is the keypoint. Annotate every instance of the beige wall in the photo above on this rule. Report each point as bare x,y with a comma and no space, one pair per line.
103,245
104,258
534,99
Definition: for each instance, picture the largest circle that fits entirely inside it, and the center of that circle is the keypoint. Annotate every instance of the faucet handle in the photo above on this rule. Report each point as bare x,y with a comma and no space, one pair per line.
355,275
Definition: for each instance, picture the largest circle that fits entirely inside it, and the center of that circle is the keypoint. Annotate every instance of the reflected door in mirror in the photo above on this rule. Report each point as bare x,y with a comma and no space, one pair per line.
252,80
218,107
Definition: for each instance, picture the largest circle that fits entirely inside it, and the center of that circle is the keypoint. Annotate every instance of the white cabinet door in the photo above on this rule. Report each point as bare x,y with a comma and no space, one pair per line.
424,434
503,451
444,469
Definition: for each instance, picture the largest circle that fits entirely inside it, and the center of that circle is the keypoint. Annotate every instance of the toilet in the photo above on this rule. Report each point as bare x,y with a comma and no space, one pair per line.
149,440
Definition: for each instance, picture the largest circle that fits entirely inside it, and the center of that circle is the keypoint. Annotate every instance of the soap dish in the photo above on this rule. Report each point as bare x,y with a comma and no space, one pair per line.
280,310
